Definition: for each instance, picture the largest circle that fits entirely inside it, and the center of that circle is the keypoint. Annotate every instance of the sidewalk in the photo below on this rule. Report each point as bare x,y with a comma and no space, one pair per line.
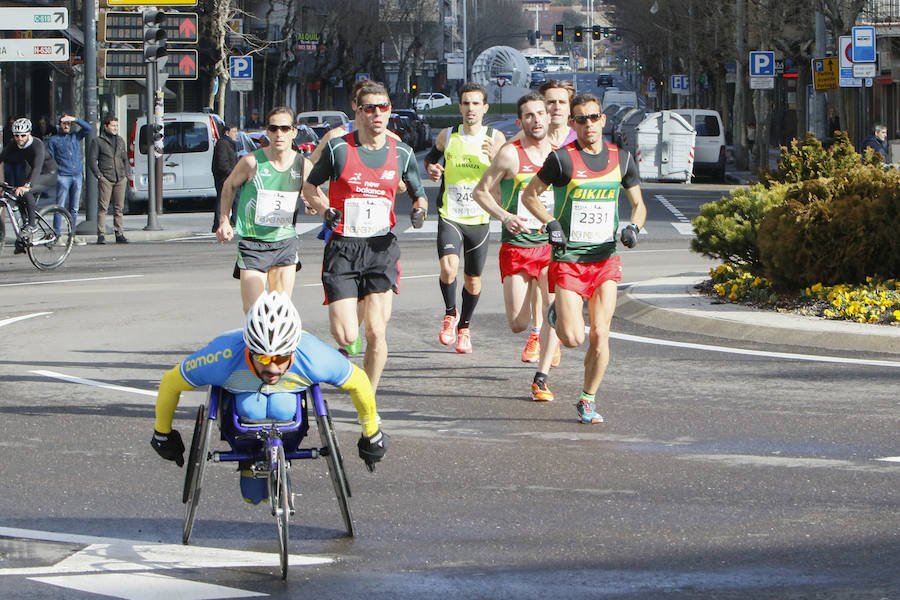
747,177
672,303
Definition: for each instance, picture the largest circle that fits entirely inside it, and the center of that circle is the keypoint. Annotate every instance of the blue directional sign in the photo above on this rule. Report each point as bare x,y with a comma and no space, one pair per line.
863,49
241,67
762,64
680,84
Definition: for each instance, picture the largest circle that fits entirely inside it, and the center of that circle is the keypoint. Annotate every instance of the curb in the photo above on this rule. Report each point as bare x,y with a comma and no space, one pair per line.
672,304
139,235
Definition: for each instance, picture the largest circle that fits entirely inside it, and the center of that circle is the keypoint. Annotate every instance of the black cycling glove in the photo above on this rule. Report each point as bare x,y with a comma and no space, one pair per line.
169,446
417,217
628,235
372,448
555,231
332,218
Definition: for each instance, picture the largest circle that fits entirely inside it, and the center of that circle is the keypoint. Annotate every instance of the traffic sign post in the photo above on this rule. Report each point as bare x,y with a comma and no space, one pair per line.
762,64
34,49
863,40
680,84
128,26
825,73
128,63
42,18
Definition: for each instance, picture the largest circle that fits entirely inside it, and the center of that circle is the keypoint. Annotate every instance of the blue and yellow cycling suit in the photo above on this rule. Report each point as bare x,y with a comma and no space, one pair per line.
226,362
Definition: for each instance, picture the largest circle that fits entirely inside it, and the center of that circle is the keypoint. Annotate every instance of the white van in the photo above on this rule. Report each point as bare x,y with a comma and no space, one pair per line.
619,98
709,145
188,141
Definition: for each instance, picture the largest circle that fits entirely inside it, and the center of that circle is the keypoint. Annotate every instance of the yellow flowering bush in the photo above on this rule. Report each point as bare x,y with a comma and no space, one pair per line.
875,301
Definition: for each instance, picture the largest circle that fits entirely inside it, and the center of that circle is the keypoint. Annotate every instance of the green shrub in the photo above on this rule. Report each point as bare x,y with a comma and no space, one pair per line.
833,230
806,159
727,229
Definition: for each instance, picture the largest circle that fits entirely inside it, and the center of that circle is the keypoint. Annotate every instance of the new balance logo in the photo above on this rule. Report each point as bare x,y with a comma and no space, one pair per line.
388,175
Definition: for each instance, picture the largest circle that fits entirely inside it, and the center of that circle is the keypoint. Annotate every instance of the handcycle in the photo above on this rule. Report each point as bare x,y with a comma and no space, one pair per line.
46,248
268,446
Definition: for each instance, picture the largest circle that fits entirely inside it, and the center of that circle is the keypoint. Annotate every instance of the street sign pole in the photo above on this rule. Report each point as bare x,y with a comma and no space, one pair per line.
152,221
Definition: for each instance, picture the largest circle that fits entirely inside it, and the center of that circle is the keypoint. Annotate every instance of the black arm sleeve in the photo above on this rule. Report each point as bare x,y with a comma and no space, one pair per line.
631,175
433,155
410,174
324,167
551,172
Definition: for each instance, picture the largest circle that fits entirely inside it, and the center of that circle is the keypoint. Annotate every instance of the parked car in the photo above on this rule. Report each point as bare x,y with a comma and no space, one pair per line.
403,127
188,141
620,97
321,117
259,138
538,78
306,139
604,80
420,125
429,100
245,144
709,145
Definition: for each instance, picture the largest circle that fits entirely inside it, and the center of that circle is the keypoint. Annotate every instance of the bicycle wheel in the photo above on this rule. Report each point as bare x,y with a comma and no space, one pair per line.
279,496
49,249
193,477
336,469
2,233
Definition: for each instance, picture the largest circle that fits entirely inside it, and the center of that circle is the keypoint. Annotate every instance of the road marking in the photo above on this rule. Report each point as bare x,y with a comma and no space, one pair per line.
895,459
12,320
145,586
431,227
100,384
683,226
786,462
69,280
764,353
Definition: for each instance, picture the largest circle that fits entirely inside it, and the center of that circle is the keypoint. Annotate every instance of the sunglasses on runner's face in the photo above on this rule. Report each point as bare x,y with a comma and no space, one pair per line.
266,359
582,119
282,128
369,109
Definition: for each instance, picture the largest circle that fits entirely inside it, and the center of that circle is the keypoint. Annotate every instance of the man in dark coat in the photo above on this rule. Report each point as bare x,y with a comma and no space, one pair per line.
223,161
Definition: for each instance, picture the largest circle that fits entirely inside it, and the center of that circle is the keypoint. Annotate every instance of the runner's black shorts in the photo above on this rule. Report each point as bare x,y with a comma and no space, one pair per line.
356,267
453,238
258,255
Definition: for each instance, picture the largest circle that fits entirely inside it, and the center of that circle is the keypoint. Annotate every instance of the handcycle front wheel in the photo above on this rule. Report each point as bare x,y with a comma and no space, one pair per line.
49,249
193,476
279,496
336,468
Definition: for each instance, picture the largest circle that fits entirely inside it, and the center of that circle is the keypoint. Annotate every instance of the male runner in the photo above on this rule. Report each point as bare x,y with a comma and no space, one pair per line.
586,177
463,226
264,366
361,261
558,94
524,252
268,246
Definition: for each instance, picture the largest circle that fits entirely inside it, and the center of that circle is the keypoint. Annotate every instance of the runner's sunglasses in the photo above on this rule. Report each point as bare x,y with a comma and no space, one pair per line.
582,119
369,109
265,359
282,128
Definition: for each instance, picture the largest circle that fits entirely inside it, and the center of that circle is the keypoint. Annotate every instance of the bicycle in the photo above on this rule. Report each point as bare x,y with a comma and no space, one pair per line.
46,248
268,446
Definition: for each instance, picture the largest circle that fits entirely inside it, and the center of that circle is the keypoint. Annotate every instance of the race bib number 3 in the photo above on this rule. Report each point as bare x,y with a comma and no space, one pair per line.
593,222
460,202
365,217
547,199
275,208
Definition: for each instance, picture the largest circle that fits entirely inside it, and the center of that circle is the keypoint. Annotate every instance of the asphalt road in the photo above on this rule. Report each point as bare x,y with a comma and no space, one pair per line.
714,476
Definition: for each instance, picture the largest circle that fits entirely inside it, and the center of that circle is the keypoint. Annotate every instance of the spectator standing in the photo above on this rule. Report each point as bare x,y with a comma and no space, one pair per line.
223,161
878,142
44,128
834,122
254,122
108,161
65,147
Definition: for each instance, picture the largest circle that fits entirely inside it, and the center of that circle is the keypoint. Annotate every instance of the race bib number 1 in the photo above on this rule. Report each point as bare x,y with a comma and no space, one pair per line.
593,222
365,217
547,199
460,202
275,208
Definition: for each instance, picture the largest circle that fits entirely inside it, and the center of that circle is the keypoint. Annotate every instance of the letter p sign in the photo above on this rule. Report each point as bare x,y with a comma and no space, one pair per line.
762,64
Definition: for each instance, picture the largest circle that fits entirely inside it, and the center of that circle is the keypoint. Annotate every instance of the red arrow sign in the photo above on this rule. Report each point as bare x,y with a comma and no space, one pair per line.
187,66
188,29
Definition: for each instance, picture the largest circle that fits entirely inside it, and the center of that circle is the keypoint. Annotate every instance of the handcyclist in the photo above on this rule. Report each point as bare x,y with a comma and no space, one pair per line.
40,174
264,366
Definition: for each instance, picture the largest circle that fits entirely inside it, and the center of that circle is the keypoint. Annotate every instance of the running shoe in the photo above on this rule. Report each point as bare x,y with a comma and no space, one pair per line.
463,341
354,348
540,392
448,329
586,412
254,489
557,356
532,350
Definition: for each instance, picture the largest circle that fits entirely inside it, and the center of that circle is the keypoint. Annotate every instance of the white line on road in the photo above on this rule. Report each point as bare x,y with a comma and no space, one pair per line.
764,353
100,384
69,280
672,209
12,320
895,459
145,586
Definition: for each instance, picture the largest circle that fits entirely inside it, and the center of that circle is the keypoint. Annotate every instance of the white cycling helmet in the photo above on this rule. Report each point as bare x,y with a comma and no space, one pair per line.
273,325
21,125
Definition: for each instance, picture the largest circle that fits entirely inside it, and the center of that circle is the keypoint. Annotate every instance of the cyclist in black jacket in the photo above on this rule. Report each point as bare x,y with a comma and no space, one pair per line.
40,169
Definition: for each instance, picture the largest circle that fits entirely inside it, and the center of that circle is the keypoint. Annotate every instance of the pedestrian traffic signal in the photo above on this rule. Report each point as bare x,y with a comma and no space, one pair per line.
560,32
606,31
154,34
578,34
595,32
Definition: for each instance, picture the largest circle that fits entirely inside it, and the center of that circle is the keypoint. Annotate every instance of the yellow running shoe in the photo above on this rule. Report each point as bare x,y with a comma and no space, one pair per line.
532,350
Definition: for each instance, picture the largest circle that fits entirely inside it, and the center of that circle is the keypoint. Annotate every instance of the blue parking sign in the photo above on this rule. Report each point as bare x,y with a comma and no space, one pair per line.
762,64
241,67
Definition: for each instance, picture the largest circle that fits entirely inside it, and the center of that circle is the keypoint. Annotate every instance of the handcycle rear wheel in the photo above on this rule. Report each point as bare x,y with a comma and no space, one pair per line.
279,496
336,469
193,477
52,249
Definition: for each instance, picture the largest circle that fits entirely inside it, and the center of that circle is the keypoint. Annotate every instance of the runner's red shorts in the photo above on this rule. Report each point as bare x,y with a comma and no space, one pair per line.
584,278
514,259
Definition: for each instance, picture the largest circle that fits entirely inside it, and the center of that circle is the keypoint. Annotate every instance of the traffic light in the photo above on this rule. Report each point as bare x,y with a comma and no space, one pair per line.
618,35
577,34
595,32
560,32
413,88
154,34
606,32
532,38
